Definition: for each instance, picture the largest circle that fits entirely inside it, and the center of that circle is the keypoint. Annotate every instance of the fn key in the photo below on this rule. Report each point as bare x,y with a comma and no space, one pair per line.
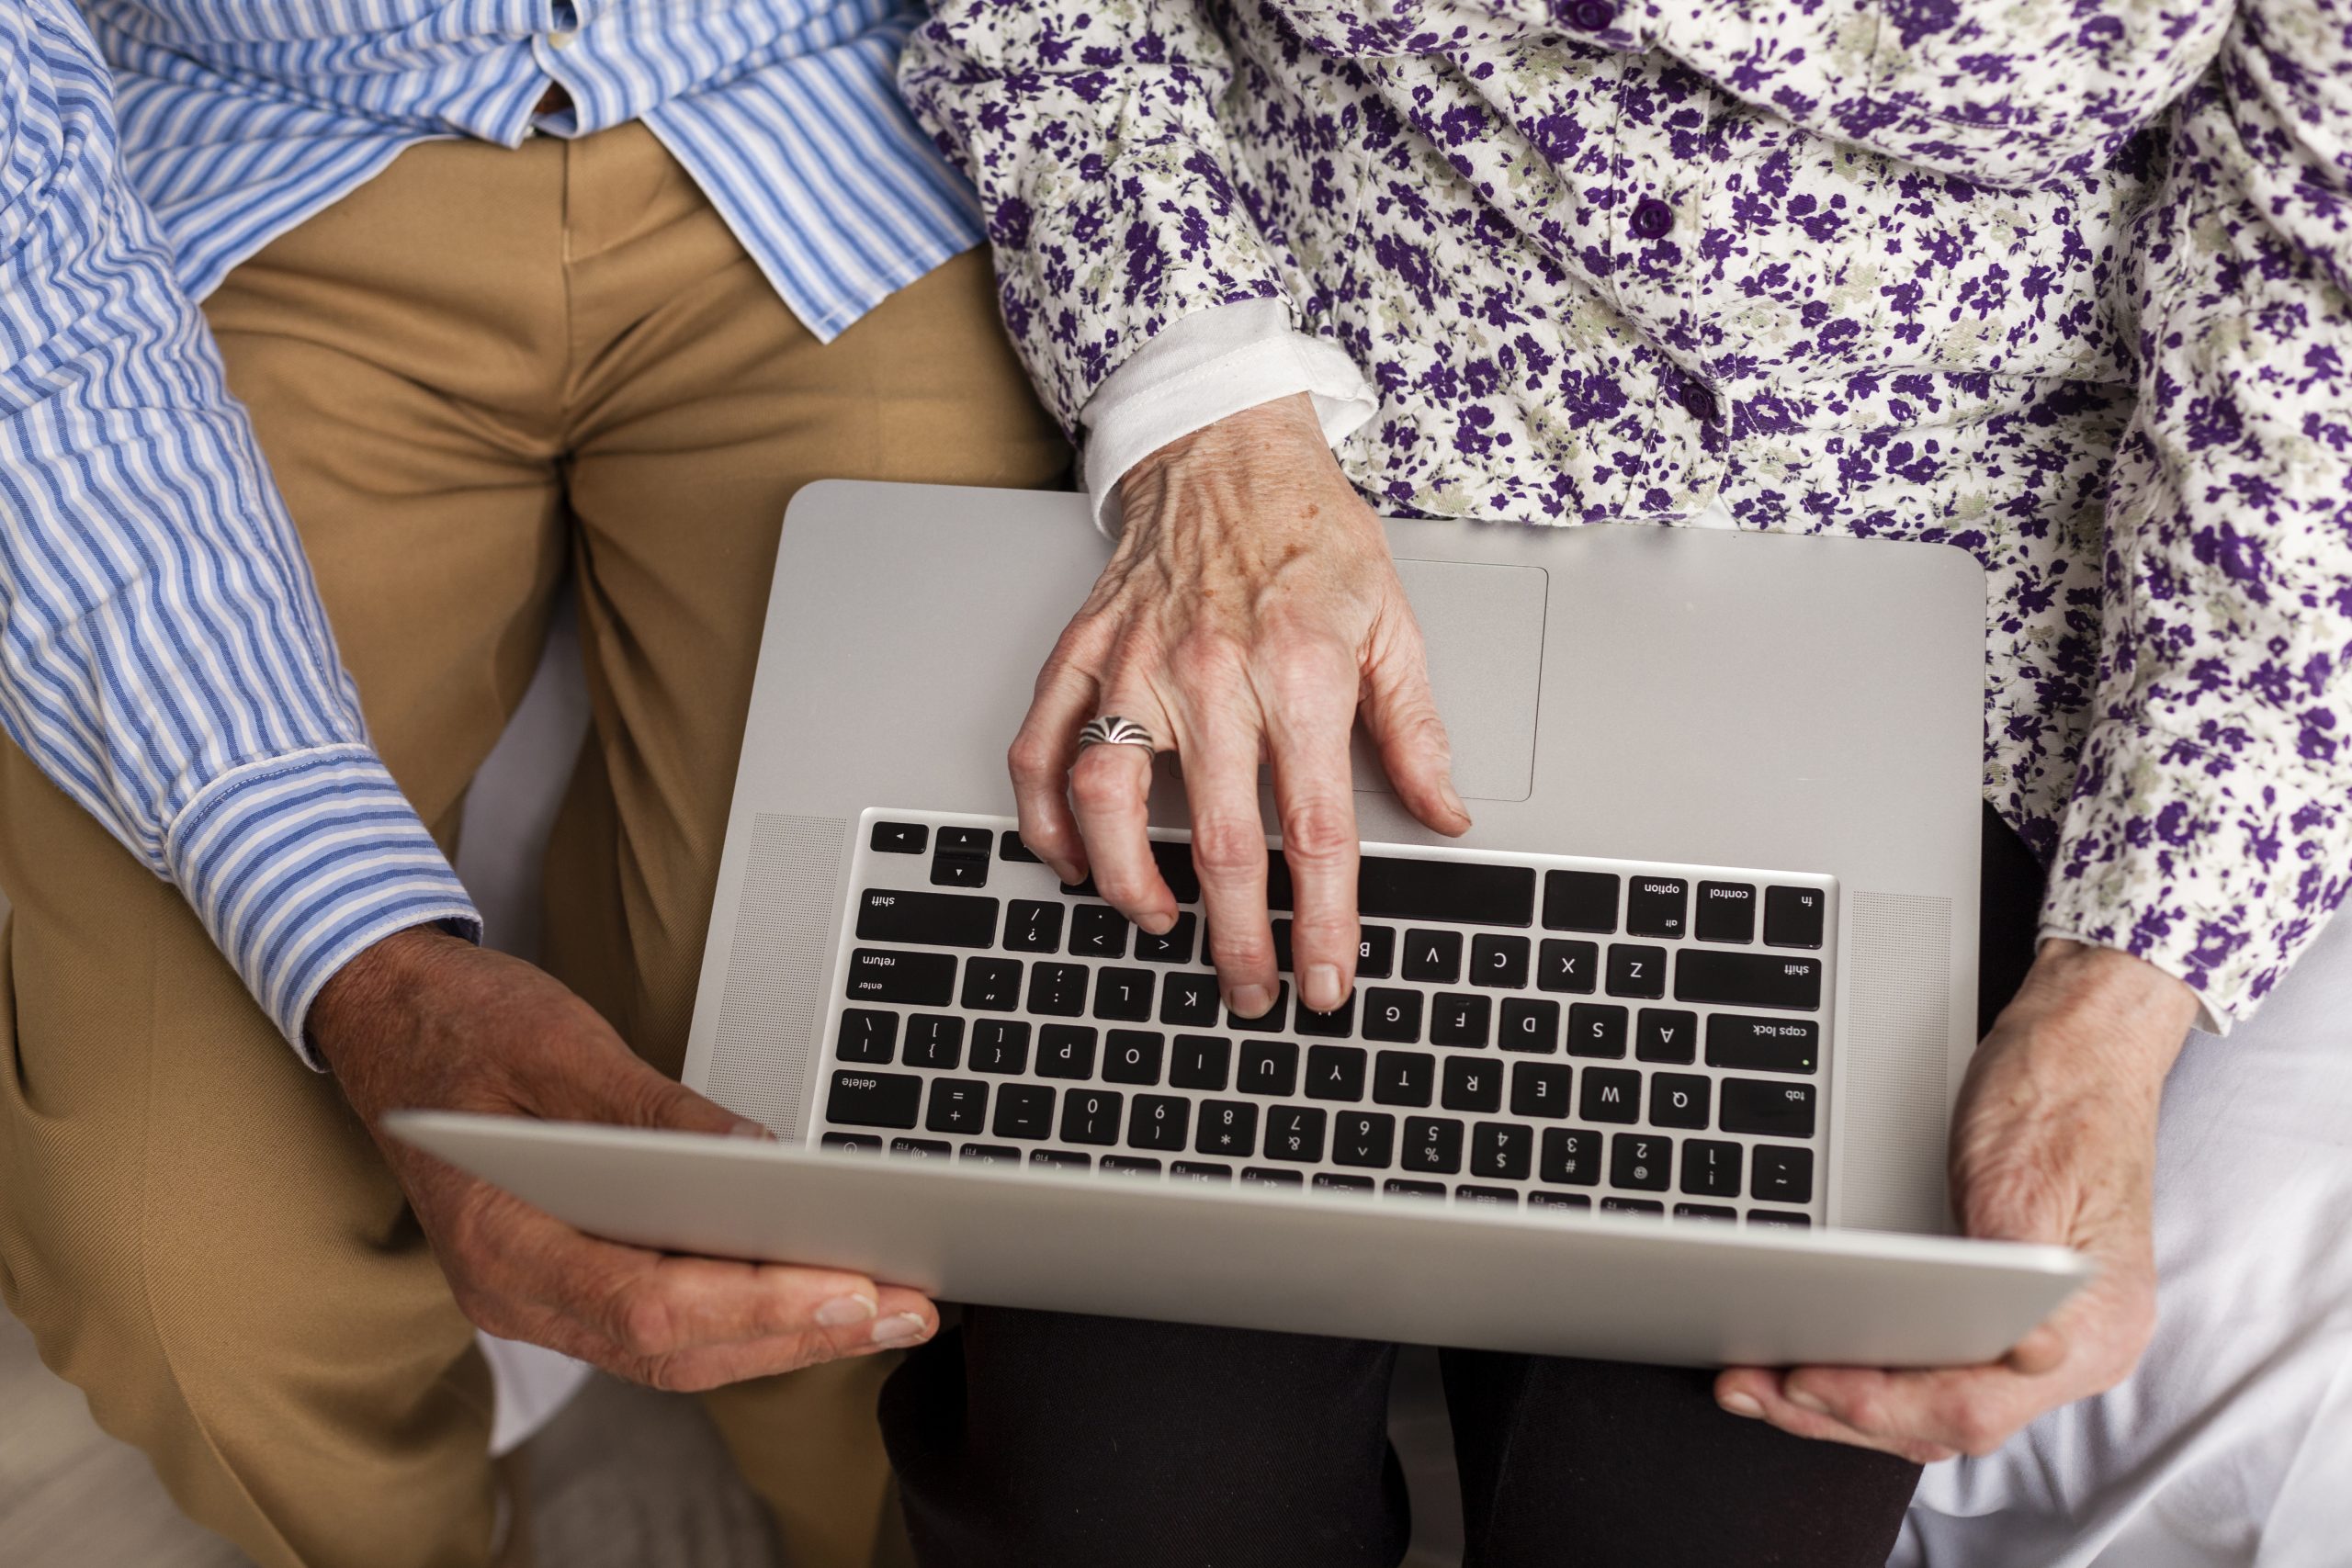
873,1099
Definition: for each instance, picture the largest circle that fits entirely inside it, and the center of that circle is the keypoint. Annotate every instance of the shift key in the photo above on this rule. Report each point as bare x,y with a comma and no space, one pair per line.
915,979
1747,979
926,920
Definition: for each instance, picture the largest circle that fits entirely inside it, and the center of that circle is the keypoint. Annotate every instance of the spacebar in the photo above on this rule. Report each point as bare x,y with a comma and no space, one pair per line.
1458,892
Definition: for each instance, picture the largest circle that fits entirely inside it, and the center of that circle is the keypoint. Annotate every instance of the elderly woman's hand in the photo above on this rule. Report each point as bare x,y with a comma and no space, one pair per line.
2055,1141
1251,609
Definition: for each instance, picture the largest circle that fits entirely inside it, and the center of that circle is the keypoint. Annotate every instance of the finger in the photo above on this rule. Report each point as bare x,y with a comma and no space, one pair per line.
1229,852
1110,786
702,1367
1040,761
1310,707
1970,1410
1401,717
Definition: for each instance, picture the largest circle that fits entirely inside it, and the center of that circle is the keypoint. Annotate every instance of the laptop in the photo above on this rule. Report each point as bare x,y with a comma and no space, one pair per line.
1656,1062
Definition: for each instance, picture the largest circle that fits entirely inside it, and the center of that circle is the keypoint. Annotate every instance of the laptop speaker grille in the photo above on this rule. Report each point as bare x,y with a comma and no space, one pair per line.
776,975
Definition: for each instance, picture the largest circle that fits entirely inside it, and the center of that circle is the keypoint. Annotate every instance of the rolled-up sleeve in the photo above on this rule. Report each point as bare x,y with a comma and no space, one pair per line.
2211,827
163,656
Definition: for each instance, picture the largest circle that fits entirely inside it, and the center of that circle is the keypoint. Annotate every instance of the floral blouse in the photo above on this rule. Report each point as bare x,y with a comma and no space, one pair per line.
2062,282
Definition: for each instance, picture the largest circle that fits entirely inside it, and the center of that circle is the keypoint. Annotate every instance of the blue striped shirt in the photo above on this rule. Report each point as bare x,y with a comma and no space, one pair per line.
242,117
163,656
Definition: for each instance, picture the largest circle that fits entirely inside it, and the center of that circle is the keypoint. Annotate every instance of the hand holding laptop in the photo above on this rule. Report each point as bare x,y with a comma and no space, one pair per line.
424,1021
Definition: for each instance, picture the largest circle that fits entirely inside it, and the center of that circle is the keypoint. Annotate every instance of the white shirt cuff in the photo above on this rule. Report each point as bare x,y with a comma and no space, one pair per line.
1211,364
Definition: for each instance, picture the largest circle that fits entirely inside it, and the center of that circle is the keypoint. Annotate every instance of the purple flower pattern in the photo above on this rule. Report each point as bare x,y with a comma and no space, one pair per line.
2059,282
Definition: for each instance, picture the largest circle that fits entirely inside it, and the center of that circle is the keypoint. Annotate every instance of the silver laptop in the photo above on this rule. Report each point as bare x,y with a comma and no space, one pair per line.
1657,1062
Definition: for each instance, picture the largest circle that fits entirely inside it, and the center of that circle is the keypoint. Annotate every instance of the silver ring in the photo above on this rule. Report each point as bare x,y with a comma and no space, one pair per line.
1110,730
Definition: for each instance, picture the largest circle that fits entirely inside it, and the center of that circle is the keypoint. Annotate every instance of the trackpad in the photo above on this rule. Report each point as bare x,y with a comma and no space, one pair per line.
1485,629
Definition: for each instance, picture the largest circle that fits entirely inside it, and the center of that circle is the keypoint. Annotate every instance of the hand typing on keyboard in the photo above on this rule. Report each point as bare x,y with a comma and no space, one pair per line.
1251,608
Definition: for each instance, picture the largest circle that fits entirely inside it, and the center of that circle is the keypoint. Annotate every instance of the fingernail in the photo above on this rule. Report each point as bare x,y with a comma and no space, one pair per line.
843,1311
1322,987
900,1330
1159,925
1453,798
1251,1001
1743,1404
1804,1401
745,1128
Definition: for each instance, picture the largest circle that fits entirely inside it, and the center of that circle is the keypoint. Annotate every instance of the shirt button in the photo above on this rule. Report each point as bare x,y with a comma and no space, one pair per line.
1699,402
1652,219
1592,16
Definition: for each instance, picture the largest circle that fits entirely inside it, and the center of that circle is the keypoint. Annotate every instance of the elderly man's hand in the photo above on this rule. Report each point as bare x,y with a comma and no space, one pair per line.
1251,609
424,1021
2055,1141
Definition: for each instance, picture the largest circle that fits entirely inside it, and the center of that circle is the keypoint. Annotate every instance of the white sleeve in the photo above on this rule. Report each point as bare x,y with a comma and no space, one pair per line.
1211,364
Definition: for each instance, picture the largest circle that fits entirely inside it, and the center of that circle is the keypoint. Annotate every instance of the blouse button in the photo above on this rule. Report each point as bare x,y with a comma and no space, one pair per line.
1652,219
1592,16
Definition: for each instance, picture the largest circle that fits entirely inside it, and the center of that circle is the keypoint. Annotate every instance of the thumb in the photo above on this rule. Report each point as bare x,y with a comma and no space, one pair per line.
1400,714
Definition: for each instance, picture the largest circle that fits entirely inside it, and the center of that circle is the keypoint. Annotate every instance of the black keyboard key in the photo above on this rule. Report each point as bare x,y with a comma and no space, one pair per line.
978,841
989,1153
1268,1066
991,985
1061,1160
1364,1138
1066,1051
1726,912
1666,1035
1596,1029
1473,1083
958,871
958,1105
934,1040
1397,1187
1173,946
1132,1055
1794,917
1580,901
1129,1165
1772,1217
1228,1127
1295,1133
1097,931
1540,1090
921,1149
1282,948
1079,889
873,1099
1092,1115
1571,1156
1499,1197
1433,1143
1337,1024
1375,952
1176,869
1543,1200
1565,965
1159,1121
1189,1000
867,1036
1501,1151
1433,957
1123,994
1403,1078
1498,963
1774,1110
1328,1181
1199,1170
1747,979
1633,1206
1460,1020
1201,1061
1270,1020
1010,847
1024,1110
899,837
1529,1025
1392,1015
1033,925
1610,1095
925,920
1456,892
910,979
1637,971
1783,1175
1763,1045
1641,1161
1335,1072
1710,1167
1266,1176
851,1143
1680,1099
1000,1045
1705,1212
1058,990
1658,905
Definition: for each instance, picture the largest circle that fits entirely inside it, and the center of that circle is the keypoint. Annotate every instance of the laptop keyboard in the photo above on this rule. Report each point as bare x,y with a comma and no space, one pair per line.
1549,1030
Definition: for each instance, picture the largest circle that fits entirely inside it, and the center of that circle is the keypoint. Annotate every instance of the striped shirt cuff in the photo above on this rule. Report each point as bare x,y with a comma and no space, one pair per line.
297,863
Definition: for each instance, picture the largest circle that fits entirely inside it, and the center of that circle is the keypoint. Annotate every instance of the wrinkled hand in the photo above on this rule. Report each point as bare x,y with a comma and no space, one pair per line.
2054,1141
1250,608
422,1020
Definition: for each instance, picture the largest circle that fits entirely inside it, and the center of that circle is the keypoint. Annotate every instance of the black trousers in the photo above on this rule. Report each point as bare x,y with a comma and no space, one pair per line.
1029,1439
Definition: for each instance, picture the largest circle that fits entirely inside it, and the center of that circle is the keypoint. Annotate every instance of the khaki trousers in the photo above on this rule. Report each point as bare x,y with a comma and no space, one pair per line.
482,367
